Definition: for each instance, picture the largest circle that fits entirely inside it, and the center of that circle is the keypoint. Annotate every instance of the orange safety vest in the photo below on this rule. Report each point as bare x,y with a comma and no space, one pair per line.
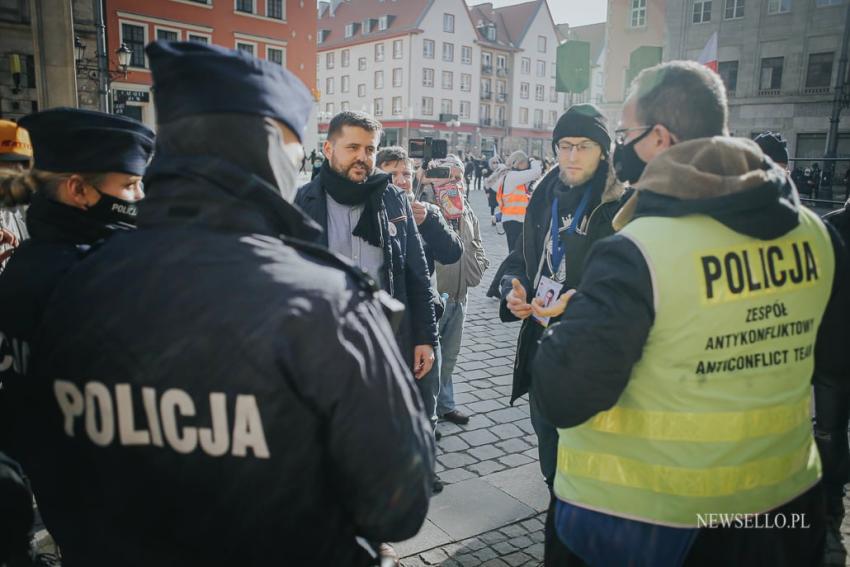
514,204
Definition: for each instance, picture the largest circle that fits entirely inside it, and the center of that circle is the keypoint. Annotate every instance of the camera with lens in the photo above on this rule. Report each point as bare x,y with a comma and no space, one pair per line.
428,150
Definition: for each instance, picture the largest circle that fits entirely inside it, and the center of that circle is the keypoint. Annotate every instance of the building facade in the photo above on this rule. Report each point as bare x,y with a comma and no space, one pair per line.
441,69
779,61
282,31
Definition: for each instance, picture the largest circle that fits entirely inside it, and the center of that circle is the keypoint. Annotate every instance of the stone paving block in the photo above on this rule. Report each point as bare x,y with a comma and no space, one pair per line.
429,537
503,548
466,398
438,467
508,415
512,446
456,475
472,365
468,560
521,542
506,431
480,355
525,483
452,443
506,391
511,461
532,453
473,543
478,437
485,406
486,467
485,452
478,421
516,559
486,394
450,563
494,563
493,537
532,525
461,387
525,425
486,554
536,550
482,383
448,428
506,379
500,370
482,347
515,530
531,439
434,557
413,562
455,460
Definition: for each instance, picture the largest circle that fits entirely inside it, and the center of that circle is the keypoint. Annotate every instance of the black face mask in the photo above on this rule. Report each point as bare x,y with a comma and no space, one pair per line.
112,210
627,164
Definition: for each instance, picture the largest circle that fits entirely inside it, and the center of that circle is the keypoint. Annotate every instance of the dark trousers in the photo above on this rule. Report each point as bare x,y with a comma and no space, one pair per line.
832,414
513,230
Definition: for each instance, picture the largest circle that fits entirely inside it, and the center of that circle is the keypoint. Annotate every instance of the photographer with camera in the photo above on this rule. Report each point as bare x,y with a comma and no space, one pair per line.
513,194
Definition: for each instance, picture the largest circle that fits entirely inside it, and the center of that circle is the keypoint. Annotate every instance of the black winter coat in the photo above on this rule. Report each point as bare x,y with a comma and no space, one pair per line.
406,275
523,261
236,386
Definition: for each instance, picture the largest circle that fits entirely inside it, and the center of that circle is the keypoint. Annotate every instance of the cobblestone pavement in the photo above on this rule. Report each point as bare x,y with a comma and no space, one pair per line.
499,437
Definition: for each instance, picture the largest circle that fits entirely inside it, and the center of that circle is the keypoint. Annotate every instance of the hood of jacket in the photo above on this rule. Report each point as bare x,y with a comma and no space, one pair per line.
726,178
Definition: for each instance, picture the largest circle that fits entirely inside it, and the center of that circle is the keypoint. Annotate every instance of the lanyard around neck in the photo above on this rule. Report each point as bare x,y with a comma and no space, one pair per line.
558,246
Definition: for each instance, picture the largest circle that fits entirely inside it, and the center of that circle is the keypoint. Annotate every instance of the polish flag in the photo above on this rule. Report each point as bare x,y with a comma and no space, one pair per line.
708,57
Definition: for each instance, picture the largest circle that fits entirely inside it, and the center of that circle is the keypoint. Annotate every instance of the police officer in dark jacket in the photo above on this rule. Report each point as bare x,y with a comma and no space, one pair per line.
220,402
370,221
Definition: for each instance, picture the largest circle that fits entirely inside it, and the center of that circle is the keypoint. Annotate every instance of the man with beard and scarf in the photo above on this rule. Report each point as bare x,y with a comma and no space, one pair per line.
215,390
83,185
370,221
576,202
680,373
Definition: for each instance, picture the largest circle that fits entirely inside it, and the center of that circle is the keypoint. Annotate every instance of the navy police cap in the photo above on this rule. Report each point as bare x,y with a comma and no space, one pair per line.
194,78
72,140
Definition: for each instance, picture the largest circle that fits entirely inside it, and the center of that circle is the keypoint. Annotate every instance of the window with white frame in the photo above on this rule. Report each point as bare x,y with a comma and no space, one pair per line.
446,106
397,106
734,9
379,52
523,115
344,58
448,80
329,85
501,87
344,106
398,76
329,108
465,82
553,94
428,105
379,79
448,51
541,68
539,92
428,48
134,37
486,59
329,60
526,66
349,30
500,116
541,43
275,55
427,77
538,118
366,26
778,6
501,62
638,13
465,109
245,47
361,90
486,87
553,117
274,9
245,6
344,84
524,90
167,35
198,38
449,23
466,55
485,112
361,64
383,23
398,49
702,11
379,107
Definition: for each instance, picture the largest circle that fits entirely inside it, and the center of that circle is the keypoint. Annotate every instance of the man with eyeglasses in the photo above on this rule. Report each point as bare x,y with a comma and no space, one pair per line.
571,208
680,373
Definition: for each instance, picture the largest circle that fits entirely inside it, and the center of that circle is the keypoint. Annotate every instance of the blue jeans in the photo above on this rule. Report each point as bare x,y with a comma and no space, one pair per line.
429,387
451,335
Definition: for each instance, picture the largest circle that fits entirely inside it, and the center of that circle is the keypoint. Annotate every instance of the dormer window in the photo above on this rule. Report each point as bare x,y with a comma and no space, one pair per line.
350,30
490,32
384,23
322,36
367,26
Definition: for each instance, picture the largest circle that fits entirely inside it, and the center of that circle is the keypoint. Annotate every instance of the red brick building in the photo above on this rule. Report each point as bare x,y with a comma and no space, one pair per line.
283,31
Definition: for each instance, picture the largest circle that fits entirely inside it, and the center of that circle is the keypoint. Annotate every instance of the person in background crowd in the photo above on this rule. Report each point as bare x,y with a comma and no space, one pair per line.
662,416
816,179
441,244
468,170
265,365
83,187
492,184
371,222
453,281
513,194
479,173
570,211
15,156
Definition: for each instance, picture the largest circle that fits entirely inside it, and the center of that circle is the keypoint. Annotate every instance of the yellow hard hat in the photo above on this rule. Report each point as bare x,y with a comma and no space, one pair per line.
14,142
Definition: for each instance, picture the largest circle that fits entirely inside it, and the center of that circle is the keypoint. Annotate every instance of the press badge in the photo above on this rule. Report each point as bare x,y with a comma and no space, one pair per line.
548,291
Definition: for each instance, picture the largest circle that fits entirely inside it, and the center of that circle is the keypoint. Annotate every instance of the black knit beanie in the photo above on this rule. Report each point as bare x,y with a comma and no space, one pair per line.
774,146
583,121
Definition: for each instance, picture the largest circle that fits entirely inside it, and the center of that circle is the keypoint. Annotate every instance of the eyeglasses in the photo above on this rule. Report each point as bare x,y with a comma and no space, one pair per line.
581,148
621,133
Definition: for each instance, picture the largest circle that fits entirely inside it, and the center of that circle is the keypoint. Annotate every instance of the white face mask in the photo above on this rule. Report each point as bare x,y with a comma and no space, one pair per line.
285,160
